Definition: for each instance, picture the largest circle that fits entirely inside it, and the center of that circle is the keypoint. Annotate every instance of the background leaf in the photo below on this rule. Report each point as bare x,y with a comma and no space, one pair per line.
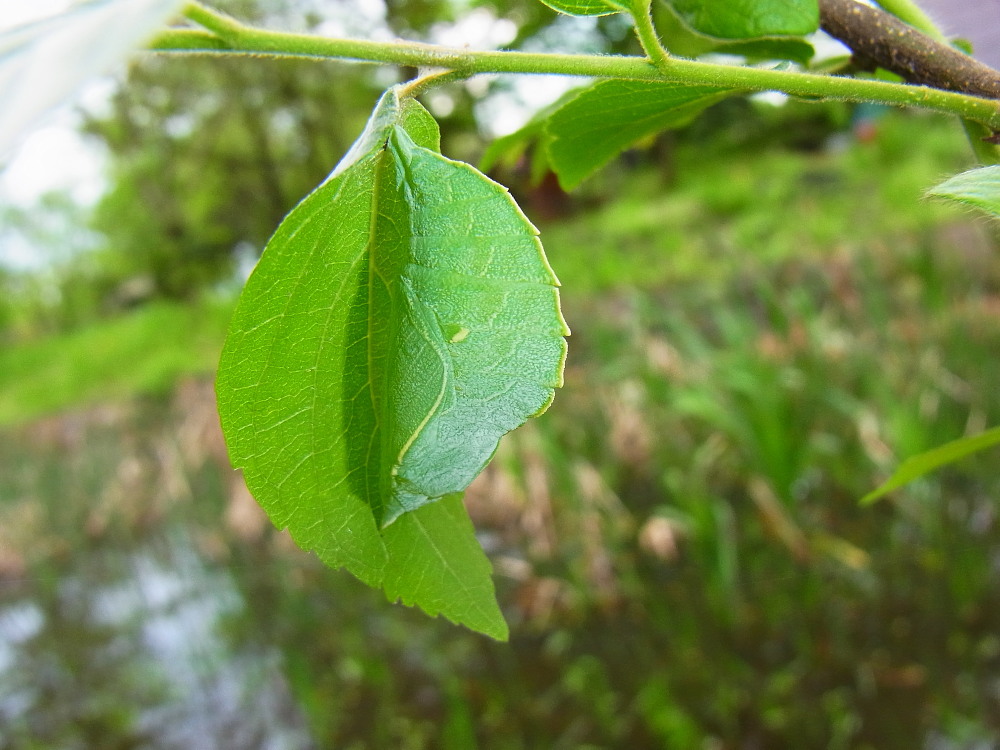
529,141
684,41
401,320
43,63
584,7
604,119
749,19
526,142
917,466
977,187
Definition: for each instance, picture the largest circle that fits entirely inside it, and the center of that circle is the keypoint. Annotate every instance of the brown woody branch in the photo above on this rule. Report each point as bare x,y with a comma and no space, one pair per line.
880,37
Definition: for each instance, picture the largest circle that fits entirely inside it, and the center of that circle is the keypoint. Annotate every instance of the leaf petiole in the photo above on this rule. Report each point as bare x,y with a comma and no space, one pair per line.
423,83
642,15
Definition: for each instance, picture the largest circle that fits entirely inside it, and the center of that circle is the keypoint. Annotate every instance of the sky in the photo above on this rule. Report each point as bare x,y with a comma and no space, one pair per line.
16,12
53,156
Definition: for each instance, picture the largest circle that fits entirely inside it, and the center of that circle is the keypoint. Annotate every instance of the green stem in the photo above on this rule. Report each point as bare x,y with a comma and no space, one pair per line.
911,13
986,153
223,25
194,40
648,38
241,39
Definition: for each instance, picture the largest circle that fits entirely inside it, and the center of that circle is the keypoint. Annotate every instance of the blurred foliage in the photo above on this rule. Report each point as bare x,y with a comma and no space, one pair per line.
745,185
678,544
145,352
208,156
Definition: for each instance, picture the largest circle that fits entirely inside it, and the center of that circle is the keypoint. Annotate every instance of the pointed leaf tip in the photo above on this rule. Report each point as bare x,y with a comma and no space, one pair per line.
924,463
979,188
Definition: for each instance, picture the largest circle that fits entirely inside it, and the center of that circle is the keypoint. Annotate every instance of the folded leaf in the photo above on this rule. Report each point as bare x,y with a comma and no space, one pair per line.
400,321
607,117
917,466
977,187
749,19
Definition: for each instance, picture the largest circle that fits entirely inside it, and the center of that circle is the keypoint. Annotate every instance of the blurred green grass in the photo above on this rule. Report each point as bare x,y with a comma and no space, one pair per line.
143,352
727,209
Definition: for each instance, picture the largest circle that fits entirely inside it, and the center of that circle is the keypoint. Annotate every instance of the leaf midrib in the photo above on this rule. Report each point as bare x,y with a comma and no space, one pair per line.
380,411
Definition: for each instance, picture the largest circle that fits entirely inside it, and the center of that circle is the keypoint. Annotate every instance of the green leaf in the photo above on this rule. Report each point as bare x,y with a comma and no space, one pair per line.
684,41
977,187
508,150
528,142
400,321
924,463
436,562
42,64
749,19
609,116
585,7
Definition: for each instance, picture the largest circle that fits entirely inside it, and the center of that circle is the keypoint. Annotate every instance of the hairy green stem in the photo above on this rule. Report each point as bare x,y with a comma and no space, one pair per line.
193,40
223,25
981,139
648,38
237,38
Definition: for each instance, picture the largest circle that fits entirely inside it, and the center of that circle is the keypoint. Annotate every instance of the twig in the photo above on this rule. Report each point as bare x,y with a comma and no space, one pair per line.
902,49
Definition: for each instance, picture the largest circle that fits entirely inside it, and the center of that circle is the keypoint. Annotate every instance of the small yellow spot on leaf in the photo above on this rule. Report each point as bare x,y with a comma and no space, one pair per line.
458,335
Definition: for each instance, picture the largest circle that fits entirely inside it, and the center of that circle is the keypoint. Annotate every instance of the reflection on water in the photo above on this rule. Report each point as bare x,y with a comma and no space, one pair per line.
130,649
145,601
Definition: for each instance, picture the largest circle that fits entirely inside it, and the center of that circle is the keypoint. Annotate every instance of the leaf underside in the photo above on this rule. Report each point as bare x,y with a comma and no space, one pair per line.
584,7
749,19
607,117
977,187
684,41
400,321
